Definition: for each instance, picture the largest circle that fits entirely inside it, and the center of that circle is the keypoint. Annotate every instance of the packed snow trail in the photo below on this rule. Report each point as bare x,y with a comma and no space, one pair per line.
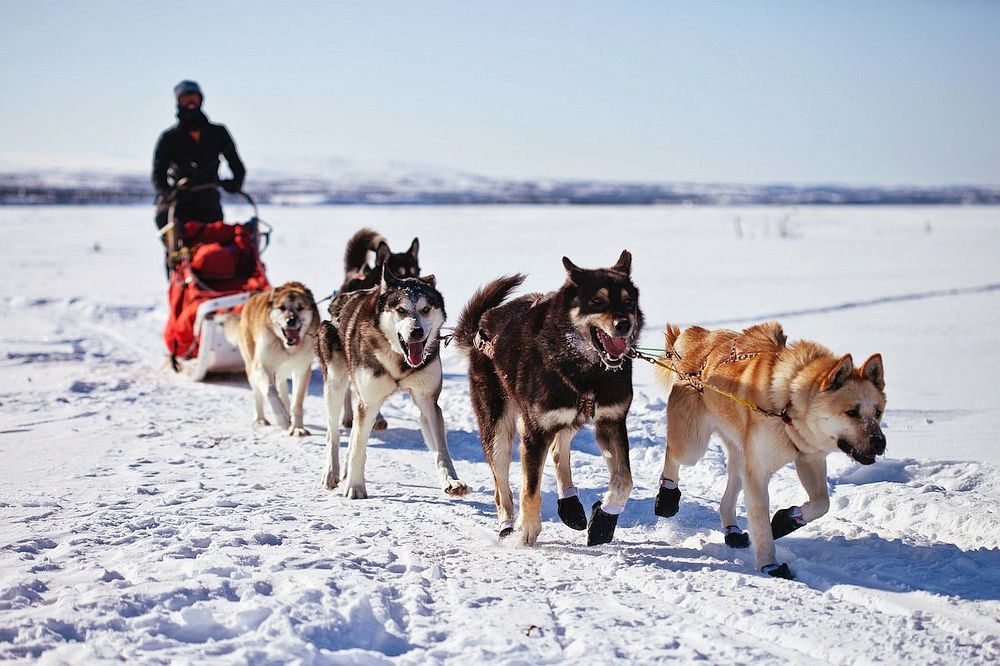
145,519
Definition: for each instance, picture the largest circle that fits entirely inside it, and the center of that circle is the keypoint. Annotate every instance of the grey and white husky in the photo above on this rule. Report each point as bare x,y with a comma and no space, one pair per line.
380,340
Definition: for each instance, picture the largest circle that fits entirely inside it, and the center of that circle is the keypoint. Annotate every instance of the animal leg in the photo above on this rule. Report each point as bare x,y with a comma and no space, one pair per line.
300,383
688,432
812,474
435,437
612,437
258,400
533,450
334,389
369,400
756,474
570,509
735,538
266,382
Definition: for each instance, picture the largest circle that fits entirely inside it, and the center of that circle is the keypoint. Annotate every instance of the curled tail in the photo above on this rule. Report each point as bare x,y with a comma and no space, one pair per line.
667,378
356,254
486,298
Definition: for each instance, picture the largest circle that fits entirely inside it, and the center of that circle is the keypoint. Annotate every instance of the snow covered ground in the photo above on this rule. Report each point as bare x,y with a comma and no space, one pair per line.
144,519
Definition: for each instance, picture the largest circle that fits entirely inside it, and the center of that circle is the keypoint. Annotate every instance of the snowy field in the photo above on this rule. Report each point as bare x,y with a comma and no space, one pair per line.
143,519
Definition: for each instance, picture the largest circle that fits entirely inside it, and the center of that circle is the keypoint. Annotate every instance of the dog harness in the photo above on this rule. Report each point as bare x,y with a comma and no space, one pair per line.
694,379
586,403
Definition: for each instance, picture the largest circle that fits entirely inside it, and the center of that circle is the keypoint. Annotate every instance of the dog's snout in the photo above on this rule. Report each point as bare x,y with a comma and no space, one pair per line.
623,326
291,320
417,333
877,442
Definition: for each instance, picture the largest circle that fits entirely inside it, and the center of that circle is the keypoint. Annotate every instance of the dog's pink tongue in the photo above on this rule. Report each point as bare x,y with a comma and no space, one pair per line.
292,336
415,352
614,346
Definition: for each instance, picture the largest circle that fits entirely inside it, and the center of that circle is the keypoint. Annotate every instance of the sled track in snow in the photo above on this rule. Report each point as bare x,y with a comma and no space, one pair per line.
853,305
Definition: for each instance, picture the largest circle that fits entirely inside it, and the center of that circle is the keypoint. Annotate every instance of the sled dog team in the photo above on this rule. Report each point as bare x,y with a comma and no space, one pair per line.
542,366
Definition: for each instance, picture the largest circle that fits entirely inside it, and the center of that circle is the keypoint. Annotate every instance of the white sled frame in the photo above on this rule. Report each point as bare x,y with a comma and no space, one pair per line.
216,353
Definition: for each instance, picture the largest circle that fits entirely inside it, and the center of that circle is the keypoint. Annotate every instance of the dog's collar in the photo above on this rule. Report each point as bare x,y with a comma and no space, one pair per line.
786,417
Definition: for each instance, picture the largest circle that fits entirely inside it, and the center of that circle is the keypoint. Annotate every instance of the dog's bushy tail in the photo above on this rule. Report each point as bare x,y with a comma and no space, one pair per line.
670,335
361,243
486,298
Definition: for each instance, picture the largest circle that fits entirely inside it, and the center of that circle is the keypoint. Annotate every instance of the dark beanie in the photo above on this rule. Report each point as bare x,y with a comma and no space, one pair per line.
185,87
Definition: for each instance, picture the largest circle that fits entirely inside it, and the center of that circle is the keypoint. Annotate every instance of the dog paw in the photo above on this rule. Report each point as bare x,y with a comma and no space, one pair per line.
571,513
298,431
455,488
380,423
356,491
261,422
778,571
529,531
504,533
786,521
331,479
601,528
736,538
668,501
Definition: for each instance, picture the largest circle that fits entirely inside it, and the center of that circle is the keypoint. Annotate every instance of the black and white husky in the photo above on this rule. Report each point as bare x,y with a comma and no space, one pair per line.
546,364
380,340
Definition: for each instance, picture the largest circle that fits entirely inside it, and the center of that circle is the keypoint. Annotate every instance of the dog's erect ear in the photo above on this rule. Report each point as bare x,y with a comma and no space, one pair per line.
874,371
571,269
382,253
839,374
414,248
624,264
388,279
428,279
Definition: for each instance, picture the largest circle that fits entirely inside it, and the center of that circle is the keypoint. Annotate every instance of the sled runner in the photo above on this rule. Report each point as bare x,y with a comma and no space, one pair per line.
213,269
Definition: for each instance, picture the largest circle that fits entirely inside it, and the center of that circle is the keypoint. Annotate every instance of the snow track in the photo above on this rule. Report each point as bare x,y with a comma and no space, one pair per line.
145,519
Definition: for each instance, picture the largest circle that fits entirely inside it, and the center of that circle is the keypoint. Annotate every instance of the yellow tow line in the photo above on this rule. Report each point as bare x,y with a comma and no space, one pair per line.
700,385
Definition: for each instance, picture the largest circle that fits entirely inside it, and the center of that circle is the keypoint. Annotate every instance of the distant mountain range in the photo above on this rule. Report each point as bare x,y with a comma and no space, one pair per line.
402,185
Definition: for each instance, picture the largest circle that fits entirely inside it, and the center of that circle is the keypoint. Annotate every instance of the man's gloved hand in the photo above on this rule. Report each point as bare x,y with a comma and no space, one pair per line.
231,185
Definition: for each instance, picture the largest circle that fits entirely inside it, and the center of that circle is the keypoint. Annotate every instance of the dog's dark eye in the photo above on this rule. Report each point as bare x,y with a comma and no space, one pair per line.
853,413
597,302
402,311
878,413
426,310
299,308
628,302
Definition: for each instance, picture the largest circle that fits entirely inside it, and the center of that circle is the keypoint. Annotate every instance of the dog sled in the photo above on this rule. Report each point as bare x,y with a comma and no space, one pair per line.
213,268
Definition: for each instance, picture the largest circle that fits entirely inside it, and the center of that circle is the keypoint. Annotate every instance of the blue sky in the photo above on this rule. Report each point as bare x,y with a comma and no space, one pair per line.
756,92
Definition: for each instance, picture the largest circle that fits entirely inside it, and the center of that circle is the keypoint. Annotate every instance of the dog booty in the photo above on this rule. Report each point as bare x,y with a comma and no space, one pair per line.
668,500
572,514
786,521
601,528
737,538
778,571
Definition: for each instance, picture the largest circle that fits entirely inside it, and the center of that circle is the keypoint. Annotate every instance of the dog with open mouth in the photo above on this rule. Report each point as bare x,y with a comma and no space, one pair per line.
817,403
380,340
364,246
277,330
544,365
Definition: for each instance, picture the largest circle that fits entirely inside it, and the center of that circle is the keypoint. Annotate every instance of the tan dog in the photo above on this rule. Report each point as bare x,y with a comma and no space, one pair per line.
277,334
826,404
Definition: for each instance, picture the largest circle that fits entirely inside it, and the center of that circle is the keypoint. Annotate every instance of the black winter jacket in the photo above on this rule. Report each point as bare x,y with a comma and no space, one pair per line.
179,156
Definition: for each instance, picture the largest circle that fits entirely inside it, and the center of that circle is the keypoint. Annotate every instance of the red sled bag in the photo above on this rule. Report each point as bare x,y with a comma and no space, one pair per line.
217,260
